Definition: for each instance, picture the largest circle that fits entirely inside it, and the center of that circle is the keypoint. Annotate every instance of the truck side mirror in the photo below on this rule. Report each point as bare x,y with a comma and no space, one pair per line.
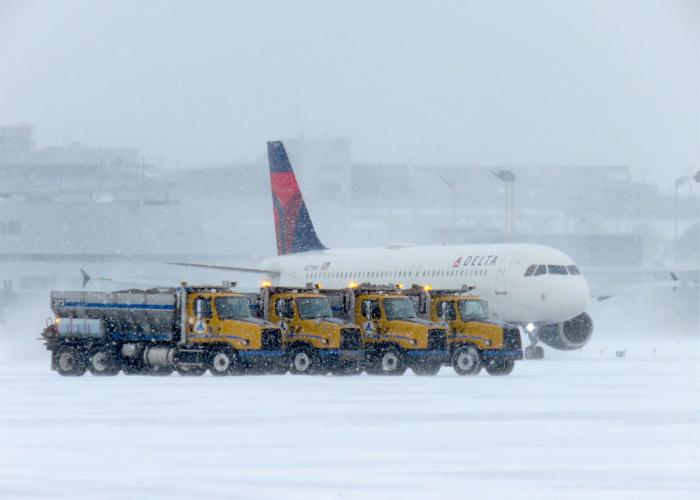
282,309
367,309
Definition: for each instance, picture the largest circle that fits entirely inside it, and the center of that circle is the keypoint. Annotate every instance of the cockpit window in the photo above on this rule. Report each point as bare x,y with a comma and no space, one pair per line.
557,269
540,270
530,270
573,270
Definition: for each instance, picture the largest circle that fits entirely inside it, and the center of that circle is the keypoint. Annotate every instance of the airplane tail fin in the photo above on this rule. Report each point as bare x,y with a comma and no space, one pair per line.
293,227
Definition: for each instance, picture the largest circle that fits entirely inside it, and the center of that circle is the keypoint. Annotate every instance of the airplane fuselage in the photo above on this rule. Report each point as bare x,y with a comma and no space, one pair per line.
502,274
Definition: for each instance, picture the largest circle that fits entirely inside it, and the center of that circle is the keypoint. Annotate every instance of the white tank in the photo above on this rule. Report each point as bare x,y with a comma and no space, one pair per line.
126,314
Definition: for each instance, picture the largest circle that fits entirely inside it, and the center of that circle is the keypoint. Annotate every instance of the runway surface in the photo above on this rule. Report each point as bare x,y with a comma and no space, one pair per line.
576,425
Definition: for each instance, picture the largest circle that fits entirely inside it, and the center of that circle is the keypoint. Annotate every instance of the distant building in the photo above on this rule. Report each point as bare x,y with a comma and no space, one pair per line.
16,140
17,148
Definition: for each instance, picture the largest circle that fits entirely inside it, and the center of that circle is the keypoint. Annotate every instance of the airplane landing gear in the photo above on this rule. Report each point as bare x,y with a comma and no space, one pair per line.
533,351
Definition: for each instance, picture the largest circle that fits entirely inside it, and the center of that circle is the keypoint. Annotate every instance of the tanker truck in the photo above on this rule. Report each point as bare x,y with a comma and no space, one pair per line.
190,329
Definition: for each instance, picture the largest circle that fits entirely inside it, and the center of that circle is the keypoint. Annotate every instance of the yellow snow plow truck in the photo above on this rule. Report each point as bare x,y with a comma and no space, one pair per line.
395,338
190,329
315,341
473,341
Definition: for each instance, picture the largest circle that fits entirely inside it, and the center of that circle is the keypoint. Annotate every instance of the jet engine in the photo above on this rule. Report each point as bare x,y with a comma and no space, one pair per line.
568,335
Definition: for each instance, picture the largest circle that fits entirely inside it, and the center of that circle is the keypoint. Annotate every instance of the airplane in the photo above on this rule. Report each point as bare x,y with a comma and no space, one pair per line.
534,287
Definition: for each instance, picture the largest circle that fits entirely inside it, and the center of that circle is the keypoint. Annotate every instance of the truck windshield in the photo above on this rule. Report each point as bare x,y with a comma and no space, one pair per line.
399,309
232,307
473,310
314,307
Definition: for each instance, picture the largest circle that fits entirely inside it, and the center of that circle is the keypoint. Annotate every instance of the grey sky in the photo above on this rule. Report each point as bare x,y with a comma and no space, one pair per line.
502,82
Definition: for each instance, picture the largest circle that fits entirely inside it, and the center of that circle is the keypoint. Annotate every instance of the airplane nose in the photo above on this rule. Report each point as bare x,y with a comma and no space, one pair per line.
583,293
576,297
566,302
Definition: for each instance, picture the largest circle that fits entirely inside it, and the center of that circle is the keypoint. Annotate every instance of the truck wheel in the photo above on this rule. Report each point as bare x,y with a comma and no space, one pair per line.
388,361
500,366
467,360
191,371
304,361
222,361
426,368
103,362
69,361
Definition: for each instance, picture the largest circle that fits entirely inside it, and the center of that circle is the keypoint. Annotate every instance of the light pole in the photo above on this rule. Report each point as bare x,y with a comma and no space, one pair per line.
679,182
508,179
452,187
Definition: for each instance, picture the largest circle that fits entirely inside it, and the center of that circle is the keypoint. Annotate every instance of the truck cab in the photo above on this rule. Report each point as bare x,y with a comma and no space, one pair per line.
316,341
220,321
473,340
394,337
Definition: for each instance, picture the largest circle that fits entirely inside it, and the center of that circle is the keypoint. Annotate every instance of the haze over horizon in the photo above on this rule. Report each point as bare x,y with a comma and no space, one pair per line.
590,83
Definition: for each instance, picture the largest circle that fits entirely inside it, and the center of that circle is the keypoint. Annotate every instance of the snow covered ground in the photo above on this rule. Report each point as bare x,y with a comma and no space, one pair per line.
576,425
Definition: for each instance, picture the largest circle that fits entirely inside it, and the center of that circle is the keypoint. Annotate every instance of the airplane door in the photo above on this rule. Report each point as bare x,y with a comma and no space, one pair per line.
501,287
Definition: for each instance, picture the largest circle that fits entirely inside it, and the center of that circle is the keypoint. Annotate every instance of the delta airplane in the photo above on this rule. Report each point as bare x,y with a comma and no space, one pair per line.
535,287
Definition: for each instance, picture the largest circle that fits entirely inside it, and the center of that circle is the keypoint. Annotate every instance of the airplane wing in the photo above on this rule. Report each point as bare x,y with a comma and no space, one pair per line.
601,294
114,283
227,268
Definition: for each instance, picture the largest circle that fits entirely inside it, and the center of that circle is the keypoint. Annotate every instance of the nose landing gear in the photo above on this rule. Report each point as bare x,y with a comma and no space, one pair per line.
533,351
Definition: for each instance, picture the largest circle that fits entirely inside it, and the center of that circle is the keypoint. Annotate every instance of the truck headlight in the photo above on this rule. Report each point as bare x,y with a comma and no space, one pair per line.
530,327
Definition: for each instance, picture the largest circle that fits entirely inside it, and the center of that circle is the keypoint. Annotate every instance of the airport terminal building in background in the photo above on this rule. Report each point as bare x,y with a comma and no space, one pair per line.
68,206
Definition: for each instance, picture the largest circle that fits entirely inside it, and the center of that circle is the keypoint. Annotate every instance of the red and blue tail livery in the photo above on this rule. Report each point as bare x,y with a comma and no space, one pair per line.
293,227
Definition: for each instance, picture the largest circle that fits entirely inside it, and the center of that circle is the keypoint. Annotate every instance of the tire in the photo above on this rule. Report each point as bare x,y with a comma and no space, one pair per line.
428,368
500,366
534,352
529,352
70,362
191,371
304,361
222,361
388,361
467,360
103,362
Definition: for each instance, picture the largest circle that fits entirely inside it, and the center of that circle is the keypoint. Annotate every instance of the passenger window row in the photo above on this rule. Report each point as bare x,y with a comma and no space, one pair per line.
537,270
396,274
